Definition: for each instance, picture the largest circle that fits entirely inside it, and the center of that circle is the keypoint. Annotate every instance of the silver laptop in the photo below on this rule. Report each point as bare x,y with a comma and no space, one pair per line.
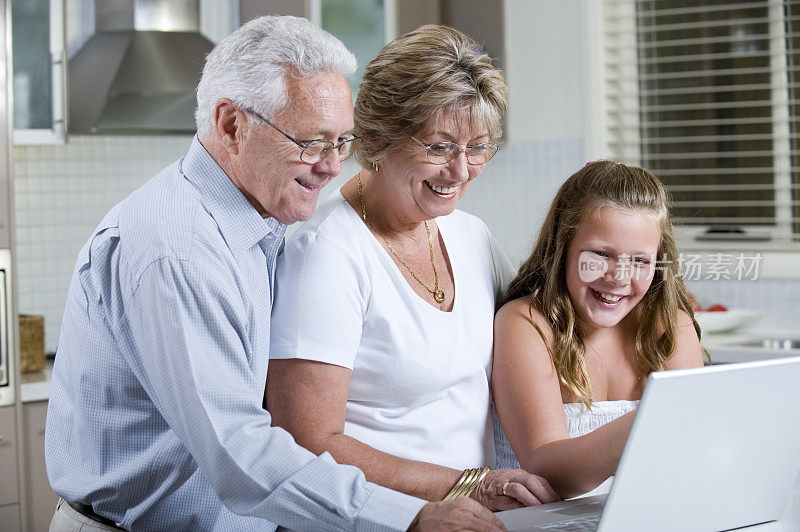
711,448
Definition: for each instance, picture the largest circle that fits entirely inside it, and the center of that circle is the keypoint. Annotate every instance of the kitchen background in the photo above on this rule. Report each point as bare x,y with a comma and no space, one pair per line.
62,190
567,99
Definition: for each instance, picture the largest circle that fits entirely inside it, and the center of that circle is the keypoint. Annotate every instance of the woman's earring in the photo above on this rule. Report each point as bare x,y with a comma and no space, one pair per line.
376,167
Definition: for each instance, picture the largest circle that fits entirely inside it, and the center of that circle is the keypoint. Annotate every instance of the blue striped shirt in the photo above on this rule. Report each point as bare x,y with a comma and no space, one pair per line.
155,416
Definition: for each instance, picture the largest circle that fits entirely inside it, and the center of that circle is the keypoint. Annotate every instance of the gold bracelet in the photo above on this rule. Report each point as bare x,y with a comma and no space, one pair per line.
468,483
477,482
457,487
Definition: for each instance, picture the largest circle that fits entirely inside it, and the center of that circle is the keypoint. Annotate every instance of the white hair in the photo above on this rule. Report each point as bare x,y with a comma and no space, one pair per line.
249,65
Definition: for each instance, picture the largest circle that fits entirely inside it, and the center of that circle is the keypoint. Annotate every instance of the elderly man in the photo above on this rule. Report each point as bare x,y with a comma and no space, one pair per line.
156,418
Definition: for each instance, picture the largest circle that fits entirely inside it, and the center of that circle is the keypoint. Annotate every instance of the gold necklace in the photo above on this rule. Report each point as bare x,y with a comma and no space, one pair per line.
438,294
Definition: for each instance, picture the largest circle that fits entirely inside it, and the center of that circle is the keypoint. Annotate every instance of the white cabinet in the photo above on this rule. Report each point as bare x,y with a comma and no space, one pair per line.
9,487
9,472
39,76
39,496
9,516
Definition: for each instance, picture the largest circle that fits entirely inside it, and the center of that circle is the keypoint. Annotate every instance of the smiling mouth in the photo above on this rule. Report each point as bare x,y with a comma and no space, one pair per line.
607,298
308,186
442,191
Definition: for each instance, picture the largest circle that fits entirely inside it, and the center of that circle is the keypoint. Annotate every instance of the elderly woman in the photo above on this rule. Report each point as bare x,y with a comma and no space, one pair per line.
382,325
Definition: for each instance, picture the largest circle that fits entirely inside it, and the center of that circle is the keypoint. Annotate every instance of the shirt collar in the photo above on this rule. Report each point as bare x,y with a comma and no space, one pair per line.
239,222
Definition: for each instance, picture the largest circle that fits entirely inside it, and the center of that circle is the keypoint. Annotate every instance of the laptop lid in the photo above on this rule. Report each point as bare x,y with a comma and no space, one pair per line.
711,448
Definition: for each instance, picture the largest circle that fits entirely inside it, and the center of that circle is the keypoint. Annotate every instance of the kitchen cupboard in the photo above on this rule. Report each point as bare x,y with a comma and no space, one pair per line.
6,203
41,501
9,487
39,82
5,209
9,516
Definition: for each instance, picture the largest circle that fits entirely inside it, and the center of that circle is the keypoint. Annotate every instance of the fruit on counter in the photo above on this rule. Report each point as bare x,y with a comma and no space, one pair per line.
697,307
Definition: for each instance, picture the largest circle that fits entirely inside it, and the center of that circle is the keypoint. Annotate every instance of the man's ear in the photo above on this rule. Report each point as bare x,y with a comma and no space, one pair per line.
228,121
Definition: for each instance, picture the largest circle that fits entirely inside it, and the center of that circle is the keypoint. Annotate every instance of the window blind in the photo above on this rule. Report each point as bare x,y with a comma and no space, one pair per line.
706,95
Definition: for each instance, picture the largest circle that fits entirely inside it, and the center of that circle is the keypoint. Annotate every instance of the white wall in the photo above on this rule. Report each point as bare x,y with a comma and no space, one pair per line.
545,69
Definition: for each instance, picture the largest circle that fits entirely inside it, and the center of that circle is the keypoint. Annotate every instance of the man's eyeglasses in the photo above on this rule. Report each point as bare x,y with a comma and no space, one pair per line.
445,151
313,151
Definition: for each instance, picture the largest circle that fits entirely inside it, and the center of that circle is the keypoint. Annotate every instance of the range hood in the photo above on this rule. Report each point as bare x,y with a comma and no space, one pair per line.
139,71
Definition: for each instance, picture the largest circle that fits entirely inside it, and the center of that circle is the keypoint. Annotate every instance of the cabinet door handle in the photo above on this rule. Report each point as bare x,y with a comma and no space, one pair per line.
59,77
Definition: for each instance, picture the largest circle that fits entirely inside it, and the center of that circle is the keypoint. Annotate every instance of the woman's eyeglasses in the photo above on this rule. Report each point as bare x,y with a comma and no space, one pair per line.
445,151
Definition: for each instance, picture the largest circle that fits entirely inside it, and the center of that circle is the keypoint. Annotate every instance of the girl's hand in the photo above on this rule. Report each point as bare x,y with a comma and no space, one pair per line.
506,489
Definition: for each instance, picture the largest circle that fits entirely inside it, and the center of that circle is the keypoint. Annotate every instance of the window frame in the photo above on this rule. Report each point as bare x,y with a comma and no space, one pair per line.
781,259
389,17
58,75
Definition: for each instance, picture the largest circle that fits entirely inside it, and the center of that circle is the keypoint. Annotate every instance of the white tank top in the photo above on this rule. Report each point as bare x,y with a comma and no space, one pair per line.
580,421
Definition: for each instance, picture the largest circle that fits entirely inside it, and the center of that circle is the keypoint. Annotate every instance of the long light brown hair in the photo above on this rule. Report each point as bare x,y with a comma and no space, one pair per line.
542,277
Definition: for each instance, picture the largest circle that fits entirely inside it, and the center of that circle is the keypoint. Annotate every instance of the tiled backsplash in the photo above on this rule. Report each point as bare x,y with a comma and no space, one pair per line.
63,191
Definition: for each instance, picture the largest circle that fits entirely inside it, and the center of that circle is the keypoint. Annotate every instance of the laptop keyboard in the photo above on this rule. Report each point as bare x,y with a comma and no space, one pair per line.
582,524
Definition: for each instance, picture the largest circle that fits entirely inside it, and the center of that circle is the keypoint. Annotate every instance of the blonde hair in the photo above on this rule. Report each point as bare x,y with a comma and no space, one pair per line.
414,79
542,277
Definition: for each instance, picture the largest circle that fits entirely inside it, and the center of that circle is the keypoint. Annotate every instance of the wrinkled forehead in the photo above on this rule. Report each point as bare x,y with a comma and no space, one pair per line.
314,90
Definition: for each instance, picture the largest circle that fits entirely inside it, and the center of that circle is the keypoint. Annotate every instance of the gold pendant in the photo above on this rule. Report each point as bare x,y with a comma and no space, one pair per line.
438,296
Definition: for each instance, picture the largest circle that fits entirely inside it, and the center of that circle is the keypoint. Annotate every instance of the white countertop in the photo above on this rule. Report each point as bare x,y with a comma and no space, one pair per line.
36,386
731,347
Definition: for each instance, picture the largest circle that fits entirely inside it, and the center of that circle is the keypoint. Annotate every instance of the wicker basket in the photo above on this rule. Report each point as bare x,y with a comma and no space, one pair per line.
31,339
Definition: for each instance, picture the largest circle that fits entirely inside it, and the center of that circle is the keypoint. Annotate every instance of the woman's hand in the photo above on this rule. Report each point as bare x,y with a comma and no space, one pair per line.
506,489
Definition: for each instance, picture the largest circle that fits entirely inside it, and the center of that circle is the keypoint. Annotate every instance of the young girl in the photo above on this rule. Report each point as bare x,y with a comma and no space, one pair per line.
596,307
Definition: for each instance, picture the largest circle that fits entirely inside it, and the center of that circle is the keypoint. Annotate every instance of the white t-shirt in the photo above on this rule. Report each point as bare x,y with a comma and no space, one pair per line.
420,383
